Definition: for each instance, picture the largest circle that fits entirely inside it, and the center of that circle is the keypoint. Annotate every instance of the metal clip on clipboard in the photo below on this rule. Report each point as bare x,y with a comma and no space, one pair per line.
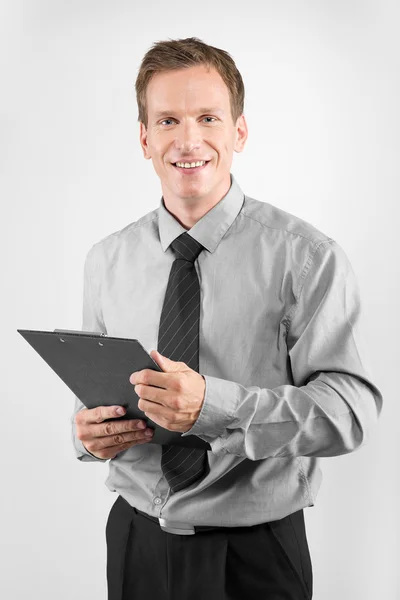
83,332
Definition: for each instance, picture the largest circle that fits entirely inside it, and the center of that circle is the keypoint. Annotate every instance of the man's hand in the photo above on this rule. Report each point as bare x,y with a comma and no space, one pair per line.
106,440
172,399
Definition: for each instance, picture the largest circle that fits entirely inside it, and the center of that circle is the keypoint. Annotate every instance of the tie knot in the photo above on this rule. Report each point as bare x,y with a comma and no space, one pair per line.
186,247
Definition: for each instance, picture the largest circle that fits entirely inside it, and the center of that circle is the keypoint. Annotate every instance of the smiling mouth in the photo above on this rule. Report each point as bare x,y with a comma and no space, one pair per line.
192,169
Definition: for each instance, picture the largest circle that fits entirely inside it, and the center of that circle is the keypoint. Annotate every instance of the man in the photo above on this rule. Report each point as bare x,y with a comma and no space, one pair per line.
254,313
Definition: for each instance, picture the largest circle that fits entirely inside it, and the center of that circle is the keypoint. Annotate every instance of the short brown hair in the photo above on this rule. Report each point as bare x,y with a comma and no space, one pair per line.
172,55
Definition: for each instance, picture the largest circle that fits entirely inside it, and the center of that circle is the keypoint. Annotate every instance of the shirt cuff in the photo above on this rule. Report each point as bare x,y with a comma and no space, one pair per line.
219,406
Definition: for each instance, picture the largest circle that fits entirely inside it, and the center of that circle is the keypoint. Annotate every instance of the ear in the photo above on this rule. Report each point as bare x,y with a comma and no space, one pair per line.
143,141
242,133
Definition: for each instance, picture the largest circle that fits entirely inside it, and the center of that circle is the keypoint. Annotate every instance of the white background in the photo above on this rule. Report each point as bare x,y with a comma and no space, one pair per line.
322,101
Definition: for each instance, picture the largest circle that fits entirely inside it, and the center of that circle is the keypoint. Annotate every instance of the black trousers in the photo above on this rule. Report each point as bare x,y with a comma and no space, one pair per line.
270,561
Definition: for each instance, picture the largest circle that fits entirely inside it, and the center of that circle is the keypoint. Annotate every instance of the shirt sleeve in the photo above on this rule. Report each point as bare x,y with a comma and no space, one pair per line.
92,320
332,406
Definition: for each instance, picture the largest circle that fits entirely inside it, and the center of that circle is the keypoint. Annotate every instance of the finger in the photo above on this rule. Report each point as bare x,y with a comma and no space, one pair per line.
150,407
120,439
101,413
88,427
87,416
115,427
154,378
110,451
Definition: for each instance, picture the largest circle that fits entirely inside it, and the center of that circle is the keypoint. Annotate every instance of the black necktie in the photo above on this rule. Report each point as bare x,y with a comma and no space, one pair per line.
178,339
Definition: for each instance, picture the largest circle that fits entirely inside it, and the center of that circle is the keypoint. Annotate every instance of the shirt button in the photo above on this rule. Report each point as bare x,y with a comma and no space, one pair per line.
157,500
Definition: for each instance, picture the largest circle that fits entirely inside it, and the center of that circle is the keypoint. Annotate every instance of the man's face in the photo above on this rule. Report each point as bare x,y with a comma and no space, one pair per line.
196,125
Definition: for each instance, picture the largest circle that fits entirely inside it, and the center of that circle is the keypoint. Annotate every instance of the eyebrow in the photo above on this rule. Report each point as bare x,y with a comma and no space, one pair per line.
169,113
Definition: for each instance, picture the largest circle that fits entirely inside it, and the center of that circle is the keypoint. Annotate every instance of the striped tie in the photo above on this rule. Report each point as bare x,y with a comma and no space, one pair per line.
178,339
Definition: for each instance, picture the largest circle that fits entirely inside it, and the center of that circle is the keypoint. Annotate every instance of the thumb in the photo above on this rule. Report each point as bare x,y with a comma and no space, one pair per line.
167,365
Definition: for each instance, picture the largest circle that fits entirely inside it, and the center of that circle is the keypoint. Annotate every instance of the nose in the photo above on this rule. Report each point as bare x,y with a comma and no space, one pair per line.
188,138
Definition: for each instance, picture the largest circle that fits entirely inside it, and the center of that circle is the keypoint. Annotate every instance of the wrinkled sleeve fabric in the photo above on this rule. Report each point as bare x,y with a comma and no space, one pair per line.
92,320
332,406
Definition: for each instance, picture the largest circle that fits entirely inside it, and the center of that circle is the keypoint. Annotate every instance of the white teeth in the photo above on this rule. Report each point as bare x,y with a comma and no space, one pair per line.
200,163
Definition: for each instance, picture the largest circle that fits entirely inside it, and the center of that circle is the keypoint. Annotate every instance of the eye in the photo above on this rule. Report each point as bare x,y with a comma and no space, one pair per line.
174,119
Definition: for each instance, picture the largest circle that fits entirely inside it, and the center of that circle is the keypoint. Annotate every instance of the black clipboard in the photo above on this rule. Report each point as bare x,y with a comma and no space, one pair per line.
96,368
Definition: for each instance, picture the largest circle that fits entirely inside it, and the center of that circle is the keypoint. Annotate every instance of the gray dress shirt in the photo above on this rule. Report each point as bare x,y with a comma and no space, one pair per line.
279,350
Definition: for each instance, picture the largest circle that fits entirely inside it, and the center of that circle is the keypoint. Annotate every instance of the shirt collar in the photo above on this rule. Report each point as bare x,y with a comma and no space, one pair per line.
211,228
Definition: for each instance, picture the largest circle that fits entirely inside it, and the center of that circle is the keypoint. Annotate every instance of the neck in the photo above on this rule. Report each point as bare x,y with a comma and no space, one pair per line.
188,210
